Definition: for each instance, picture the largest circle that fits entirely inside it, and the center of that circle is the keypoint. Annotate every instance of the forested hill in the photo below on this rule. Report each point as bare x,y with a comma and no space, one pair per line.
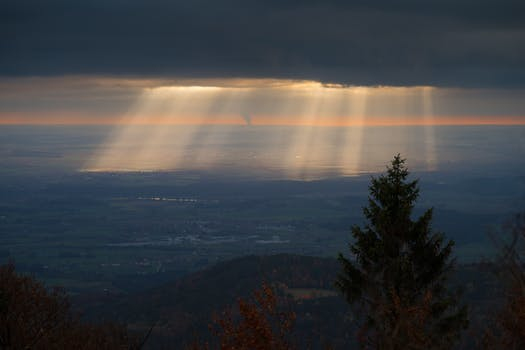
182,309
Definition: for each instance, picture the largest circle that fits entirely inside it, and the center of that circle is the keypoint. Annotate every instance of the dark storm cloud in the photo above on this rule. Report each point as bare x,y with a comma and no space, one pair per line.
437,42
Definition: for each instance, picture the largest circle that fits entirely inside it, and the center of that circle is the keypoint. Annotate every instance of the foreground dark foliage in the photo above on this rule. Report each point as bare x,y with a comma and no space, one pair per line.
32,317
507,330
260,325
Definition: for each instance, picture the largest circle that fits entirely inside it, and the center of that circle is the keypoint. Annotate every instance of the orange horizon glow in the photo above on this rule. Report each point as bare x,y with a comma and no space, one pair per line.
258,102
139,111
261,120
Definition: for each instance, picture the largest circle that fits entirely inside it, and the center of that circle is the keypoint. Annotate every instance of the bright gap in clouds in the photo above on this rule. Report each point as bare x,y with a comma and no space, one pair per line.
300,128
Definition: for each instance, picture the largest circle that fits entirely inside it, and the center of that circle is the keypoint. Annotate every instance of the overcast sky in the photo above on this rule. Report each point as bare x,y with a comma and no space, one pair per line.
94,59
460,43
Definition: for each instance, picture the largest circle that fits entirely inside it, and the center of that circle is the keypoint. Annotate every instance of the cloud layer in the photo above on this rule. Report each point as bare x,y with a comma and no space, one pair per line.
409,42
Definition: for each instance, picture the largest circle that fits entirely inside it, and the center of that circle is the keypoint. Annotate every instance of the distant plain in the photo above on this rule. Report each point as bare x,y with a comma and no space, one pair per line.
119,231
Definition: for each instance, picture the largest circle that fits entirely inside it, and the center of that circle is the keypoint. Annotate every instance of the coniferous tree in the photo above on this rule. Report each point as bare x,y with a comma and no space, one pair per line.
398,271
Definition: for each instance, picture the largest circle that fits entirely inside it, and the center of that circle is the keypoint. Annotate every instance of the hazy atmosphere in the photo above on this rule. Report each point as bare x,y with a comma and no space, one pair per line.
161,159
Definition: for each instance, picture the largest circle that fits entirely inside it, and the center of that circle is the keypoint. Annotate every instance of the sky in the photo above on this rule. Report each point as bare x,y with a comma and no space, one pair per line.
332,63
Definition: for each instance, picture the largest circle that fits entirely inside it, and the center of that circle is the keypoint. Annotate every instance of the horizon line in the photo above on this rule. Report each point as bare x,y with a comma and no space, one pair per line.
254,123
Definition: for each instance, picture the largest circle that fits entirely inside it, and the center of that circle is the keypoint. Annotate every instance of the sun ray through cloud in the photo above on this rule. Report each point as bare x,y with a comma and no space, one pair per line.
303,128
303,149
430,137
351,151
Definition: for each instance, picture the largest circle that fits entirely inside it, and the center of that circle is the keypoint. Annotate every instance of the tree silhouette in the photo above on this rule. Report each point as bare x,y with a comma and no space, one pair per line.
398,270
260,325
507,331
32,317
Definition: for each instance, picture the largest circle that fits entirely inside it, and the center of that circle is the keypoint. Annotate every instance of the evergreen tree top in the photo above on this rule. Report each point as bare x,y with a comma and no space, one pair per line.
391,198
399,265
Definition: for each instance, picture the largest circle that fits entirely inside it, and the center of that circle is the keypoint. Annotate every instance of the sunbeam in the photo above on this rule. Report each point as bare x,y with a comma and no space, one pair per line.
303,149
302,128
430,138
350,159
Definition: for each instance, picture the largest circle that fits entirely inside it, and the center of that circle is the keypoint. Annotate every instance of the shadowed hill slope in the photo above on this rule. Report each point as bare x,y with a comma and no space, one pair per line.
183,309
